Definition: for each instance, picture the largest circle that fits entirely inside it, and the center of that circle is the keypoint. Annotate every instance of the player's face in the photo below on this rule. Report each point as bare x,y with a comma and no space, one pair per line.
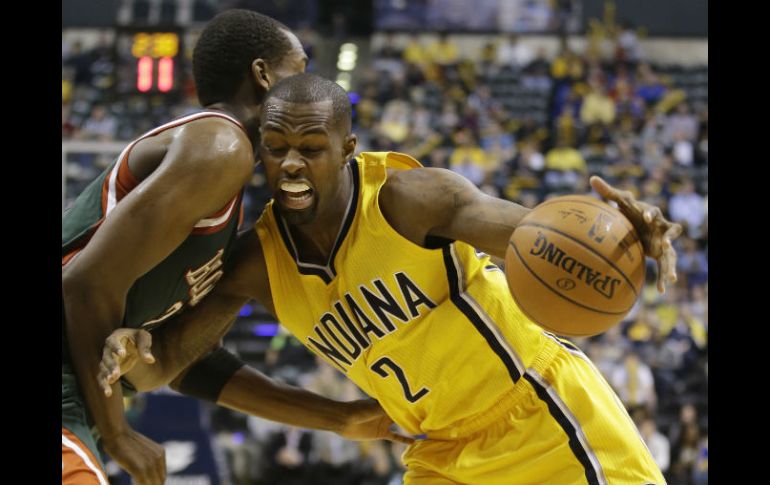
304,157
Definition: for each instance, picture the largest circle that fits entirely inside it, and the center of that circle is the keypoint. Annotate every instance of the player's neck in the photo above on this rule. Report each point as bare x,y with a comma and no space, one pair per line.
247,114
316,239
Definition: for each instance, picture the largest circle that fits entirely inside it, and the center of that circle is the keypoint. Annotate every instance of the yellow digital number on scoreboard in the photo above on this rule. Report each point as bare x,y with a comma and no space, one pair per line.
155,45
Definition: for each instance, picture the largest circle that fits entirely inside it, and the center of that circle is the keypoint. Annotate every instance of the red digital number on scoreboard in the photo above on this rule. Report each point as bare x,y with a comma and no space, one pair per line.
155,54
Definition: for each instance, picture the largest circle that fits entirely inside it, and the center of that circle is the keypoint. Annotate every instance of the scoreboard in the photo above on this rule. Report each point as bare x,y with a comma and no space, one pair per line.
149,61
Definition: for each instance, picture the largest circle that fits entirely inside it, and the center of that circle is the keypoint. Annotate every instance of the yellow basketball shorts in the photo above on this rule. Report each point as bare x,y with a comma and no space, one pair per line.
565,426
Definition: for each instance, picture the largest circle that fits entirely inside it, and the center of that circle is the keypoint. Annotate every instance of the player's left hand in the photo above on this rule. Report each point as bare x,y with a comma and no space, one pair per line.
368,421
654,230
122,351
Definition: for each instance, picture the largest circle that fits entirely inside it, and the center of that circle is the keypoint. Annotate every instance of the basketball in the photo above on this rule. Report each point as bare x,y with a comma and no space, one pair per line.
575,265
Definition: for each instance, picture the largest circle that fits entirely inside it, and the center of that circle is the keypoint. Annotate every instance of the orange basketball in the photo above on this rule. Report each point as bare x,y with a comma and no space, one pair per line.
575,265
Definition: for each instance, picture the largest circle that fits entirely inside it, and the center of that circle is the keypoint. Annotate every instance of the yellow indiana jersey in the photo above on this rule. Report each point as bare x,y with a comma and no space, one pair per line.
432,334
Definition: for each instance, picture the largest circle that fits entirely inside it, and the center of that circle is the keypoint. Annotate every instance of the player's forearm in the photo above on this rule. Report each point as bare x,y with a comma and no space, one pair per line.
499,218
89,321
181,342
251,392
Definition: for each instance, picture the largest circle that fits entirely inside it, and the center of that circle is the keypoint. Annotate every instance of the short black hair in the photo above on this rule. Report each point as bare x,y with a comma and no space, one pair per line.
309,88
227,47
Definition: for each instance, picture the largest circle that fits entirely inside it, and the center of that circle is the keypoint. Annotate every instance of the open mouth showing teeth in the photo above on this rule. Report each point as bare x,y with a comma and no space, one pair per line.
296,195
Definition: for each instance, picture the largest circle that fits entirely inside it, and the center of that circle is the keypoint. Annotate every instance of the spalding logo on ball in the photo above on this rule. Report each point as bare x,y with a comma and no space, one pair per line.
575,265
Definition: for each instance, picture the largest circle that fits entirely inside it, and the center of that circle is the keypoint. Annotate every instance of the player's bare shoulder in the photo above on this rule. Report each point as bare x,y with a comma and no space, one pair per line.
432,191
205,140
417,200
215,141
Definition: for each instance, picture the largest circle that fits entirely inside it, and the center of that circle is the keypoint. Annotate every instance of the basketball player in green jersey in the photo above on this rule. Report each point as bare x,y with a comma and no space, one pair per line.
153,234
373,264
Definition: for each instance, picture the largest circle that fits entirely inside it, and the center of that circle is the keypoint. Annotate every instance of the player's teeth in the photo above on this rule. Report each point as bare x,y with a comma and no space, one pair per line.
294,187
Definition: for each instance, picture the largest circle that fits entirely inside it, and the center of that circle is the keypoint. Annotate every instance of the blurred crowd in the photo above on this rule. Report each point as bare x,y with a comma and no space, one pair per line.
524,126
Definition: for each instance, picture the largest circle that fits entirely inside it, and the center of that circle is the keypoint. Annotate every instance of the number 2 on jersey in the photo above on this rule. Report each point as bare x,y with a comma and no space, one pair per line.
379,368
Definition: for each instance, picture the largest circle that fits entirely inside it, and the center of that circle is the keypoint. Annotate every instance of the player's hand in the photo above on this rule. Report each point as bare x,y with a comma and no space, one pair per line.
142,458
122,350
368,421
654,230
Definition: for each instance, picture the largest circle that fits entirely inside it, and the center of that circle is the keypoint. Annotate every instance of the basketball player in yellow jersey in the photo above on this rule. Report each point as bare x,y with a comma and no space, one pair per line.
371,264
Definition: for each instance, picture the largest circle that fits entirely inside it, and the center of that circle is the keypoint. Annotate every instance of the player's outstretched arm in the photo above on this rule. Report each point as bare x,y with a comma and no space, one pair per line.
438,202
251,392
146,226
247,390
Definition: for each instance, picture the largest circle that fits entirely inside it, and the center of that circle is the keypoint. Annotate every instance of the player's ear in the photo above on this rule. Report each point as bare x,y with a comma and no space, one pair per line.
261,74
349,146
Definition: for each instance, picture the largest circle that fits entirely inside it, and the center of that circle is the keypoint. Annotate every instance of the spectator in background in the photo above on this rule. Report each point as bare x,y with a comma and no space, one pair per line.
564,167
700,469
597,106
567,66
488,60
685,454
657,443
414,53
286,352
529,157
468,159
634,383
67,128
335,455
693,329
80,62
443,51
529,130
692,264
482,101
681,124
422,122
650,89
624,163
536,78
652,155
388,57
99,126
607,351
688,208
499,145
702,144
511,52
449,118
628,50
699,304
566,126
683,150
688,415
102,64
290,453
395,121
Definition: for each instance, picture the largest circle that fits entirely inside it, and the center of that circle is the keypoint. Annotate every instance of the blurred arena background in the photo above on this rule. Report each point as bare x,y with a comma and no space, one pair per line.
526,98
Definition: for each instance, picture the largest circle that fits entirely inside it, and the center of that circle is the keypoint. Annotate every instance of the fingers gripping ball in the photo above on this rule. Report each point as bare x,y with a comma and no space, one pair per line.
575,266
